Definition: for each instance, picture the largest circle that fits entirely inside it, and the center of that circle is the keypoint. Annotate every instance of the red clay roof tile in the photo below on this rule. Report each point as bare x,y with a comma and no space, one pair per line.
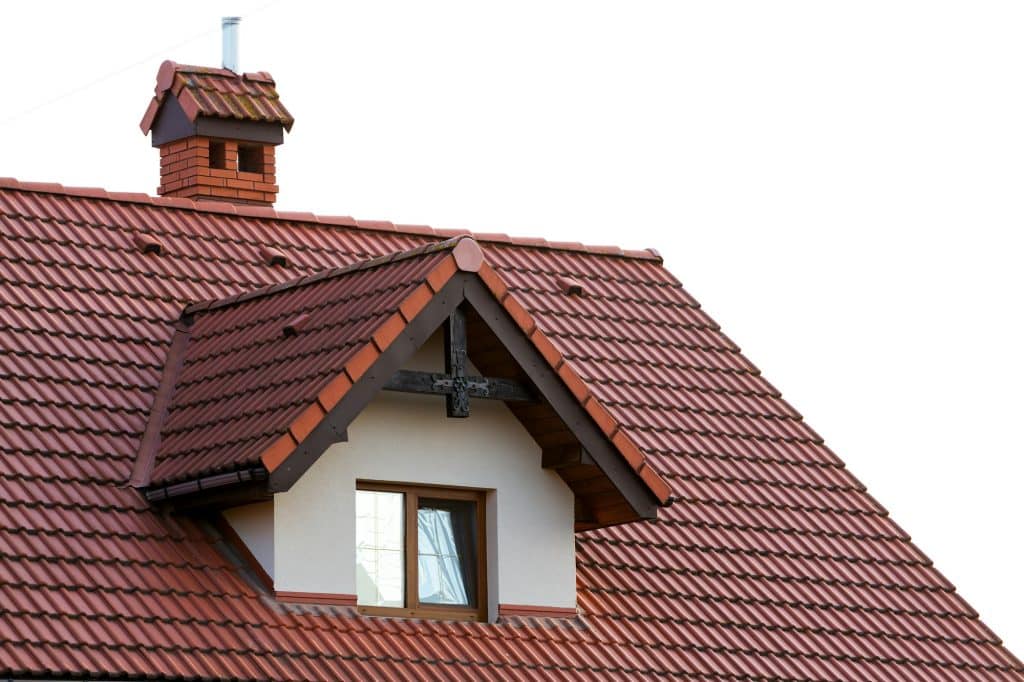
773,561
239,381
217,93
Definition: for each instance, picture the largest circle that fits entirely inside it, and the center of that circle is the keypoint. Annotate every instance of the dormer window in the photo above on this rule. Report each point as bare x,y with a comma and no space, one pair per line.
420,551
431,374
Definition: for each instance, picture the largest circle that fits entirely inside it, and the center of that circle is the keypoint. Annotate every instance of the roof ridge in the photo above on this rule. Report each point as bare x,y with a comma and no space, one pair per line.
648,254
340,271
254,76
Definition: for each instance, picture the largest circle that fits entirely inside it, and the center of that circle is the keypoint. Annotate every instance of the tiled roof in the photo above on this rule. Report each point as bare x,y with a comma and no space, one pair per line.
217,93
243,382
252,375
774,562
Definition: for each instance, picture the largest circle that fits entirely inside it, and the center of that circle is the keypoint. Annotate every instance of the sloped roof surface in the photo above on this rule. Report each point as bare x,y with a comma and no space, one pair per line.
217,93
250,376
243,382
774,562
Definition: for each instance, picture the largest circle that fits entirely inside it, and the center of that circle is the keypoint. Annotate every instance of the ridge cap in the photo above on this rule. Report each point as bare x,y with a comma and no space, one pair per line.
317,277
268,212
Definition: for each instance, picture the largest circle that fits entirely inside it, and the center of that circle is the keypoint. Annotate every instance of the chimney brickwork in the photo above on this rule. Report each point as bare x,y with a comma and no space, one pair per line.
216,131
208,168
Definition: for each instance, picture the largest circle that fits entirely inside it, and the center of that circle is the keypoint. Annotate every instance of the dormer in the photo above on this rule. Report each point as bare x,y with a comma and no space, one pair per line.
216,131
396,436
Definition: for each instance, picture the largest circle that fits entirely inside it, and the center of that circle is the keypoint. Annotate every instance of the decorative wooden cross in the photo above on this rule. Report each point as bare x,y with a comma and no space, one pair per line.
454,384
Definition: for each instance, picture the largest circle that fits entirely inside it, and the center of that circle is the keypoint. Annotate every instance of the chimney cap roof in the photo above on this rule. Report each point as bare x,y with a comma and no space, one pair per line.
217,93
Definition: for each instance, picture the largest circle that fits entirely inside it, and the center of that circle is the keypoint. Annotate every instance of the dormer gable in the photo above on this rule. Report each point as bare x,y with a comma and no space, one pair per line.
257,386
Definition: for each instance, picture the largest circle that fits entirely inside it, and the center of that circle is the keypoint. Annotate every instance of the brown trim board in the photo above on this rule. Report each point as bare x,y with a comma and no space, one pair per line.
327,598
525,611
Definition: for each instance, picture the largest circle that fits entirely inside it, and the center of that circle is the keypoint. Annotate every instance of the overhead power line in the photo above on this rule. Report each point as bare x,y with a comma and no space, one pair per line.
162,52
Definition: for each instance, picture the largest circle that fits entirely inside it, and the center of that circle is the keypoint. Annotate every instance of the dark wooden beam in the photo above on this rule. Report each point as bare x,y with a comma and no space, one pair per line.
457,398
560,458
412,381
582,512
454,384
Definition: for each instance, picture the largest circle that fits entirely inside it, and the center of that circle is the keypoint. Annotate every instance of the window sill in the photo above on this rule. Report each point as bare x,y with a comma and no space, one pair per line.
426,613
324,598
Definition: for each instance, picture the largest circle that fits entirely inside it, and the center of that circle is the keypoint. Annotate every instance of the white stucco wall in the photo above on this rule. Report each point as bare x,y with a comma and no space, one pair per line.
407,438
254,524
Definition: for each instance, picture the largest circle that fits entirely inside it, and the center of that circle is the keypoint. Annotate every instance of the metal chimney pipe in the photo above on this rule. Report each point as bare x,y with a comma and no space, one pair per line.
229,42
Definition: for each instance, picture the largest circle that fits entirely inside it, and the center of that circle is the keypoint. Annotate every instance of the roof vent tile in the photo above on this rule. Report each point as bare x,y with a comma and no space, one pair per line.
570,286
295,326
148,244
273,257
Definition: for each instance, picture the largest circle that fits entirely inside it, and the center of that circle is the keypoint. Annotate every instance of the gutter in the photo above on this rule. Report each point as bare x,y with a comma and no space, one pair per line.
166,492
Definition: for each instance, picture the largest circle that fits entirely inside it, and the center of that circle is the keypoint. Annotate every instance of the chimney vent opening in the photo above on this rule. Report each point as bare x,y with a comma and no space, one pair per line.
250,158
218,155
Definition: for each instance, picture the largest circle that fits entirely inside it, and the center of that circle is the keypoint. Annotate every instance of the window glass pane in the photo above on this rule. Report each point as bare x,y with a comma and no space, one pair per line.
447,556
380,549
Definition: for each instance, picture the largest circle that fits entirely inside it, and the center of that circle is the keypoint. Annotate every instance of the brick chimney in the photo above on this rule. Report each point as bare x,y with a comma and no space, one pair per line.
216,131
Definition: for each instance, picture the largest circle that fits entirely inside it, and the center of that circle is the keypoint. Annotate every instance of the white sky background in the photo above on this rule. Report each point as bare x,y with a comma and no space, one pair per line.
838,183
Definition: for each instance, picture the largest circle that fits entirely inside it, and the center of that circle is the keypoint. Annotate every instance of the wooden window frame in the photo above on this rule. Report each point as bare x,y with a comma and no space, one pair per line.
413,608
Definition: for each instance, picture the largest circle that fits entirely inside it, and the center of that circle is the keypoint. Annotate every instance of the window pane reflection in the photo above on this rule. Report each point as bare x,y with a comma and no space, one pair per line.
380,549
446,533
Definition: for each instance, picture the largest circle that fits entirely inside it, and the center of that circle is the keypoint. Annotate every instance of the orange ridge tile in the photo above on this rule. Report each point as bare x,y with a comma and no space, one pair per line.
415,302
341,220
278,452
382,225
426,230
304,424
493,281
389,331
297,216
519,314
656,484
546,348
332,394
573,382
441,273
628,449
601,416
361,362
451,233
